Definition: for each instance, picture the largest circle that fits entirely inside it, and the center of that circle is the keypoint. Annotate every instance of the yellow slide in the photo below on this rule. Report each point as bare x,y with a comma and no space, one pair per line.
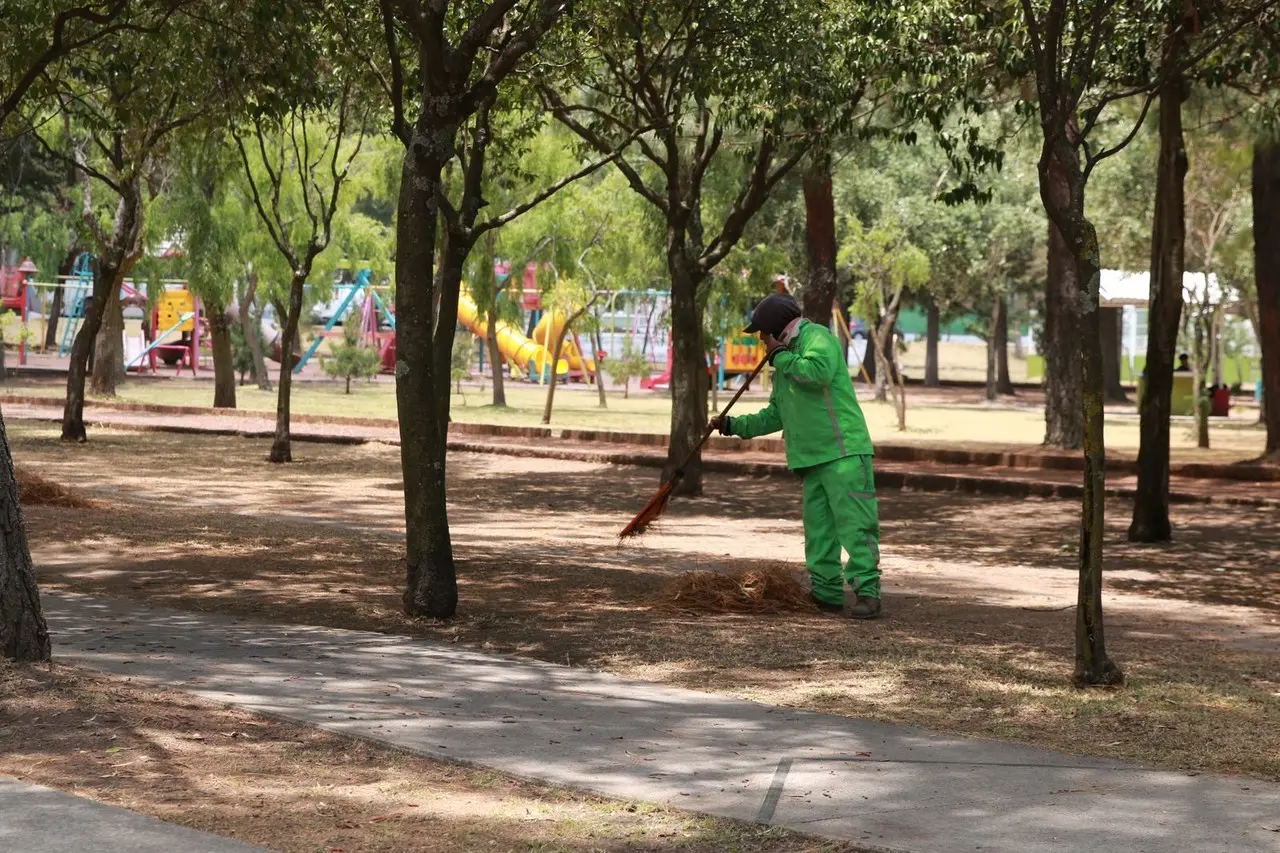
546,332
518,350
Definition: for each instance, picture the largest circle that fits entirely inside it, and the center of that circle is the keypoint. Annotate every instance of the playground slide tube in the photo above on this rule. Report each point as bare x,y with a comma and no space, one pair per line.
517,349
548,329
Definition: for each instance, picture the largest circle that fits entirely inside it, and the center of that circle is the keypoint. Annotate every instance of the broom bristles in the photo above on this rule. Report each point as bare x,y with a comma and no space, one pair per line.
652,511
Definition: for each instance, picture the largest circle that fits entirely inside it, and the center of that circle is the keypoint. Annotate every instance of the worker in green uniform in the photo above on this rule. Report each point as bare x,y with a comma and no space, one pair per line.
828,445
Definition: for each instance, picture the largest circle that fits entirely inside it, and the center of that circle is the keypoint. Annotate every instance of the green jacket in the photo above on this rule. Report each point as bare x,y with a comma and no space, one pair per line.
812,402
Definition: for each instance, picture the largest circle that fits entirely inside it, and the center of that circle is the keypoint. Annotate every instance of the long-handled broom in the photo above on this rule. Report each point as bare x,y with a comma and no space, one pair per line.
657,505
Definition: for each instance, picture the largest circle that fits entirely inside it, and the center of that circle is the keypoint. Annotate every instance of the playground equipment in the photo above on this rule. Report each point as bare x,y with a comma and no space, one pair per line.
529,356
372,307
548,331
177,312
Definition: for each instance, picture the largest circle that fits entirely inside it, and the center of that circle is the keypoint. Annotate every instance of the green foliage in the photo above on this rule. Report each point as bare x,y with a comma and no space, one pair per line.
351,359
629,364
241,354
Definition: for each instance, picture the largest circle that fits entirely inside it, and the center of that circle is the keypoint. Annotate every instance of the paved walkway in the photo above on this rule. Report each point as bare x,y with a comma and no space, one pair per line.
919,475
886,787
40,820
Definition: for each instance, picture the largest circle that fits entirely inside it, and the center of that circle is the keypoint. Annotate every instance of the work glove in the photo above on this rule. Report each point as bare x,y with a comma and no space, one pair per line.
721,423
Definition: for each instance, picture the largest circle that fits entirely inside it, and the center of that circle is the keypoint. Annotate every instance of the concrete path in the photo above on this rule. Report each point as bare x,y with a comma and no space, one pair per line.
886,787
40,820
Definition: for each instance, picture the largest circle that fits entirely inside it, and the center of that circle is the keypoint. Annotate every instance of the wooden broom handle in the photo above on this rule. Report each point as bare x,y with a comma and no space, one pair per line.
737,394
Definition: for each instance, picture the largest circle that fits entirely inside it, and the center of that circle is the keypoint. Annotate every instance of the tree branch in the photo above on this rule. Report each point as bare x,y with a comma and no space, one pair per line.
548,192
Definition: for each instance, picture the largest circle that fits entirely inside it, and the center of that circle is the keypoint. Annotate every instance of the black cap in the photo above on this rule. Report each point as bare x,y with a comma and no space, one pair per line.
773,314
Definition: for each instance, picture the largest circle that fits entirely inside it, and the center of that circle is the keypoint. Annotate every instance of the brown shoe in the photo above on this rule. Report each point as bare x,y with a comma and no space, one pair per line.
826,606
866,608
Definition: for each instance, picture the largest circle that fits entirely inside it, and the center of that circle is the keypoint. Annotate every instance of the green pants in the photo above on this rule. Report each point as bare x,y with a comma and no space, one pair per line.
840,511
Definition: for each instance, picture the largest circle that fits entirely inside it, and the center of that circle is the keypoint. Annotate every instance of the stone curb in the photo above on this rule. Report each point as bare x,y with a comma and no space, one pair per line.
887,452
891,478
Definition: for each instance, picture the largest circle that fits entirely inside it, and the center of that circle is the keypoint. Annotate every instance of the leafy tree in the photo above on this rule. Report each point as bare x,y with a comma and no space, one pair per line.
886,265
1076,80
695,85
351,359
295,165
443,65
630,364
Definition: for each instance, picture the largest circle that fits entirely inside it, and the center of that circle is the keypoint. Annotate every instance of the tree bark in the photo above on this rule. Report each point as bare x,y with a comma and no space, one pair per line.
251,325
108,359
110,270
1064,399
65,269
884,358
556,351
933,333
431,588
281,449
994,320
24,636
1062,189
1111,320
599,362
1004,385
1266,236
1093,666
491,335
224,362
689,379
1168,249
820,233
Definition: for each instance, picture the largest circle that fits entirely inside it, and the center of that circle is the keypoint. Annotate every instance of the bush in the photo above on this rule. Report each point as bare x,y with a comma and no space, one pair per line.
351,359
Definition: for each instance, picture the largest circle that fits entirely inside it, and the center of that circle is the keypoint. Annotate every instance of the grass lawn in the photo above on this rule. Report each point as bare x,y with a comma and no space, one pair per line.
962,418
298,790
977,638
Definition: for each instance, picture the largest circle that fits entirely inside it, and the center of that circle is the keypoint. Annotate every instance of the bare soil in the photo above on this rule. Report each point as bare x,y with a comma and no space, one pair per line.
977,639
296,790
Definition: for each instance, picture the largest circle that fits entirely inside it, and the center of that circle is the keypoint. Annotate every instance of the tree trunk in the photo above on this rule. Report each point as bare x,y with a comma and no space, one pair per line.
1111,320
109,272
599,362
688,375
931,346
1064,405
552,382
886,372
992,392
820,233
869,357
108,359
281,450
251,325
224,361
1019,351
1093,666
1266,237
23,634
495,361
1168,246
431,588
65,269
1004,385
491,335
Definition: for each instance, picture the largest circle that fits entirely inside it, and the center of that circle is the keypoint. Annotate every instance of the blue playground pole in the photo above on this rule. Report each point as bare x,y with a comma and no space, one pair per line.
73,300
361,282
720,372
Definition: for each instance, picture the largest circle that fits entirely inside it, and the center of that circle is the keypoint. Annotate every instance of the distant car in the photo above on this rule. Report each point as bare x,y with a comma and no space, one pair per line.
857,329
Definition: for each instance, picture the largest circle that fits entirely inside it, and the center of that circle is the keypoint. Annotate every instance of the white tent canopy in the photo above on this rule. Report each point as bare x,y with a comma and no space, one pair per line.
1119,288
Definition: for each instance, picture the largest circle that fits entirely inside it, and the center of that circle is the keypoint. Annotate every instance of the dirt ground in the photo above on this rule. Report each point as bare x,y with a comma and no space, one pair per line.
977,638
296,790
